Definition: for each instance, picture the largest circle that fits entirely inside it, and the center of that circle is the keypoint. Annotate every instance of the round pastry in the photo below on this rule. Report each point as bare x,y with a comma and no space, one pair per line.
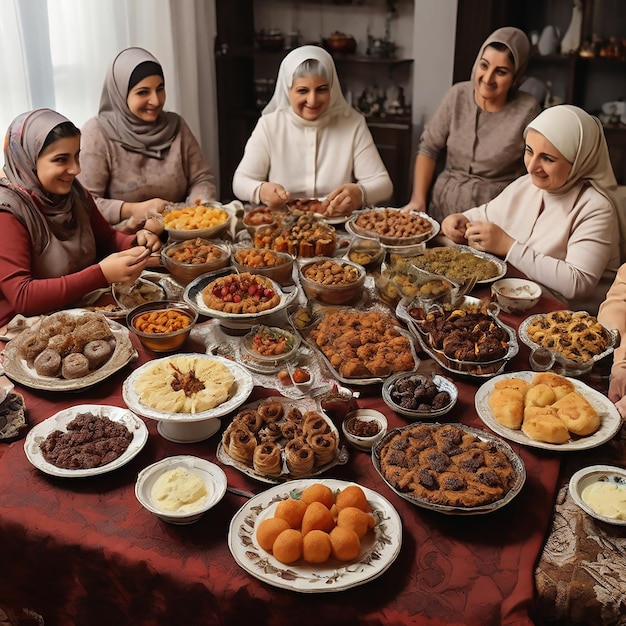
243,293
314,424
324,447
62,344
74,365
30,345
294,414
48,363
542,424
271,410
250,418
299,456
58,323
270,432
267,459
577,414
239,442
98,352
290,429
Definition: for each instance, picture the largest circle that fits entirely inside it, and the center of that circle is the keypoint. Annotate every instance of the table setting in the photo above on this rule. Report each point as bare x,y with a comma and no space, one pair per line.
223,378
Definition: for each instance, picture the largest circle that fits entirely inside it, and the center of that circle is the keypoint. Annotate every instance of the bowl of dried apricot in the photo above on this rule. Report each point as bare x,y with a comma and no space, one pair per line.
162,326
186,260
187,221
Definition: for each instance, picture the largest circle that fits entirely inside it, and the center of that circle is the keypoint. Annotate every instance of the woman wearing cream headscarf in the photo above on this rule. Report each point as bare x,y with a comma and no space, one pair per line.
310,143
558,224
479,127
136,157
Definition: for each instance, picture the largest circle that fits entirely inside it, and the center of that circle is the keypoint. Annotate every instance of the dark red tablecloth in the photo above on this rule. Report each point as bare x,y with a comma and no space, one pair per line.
84,551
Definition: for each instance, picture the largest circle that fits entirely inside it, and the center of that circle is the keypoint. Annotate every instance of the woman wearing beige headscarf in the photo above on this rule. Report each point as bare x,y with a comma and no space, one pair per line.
478,127
310,143
136,157
558,224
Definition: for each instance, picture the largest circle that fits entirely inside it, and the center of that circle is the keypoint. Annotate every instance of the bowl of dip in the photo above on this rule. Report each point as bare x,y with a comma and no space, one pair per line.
180,489
516,295
364,427
600,491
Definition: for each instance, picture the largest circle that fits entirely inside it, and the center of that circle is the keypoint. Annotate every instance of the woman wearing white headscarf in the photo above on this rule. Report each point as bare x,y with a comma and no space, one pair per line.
558,224
136,157
479,128
309,143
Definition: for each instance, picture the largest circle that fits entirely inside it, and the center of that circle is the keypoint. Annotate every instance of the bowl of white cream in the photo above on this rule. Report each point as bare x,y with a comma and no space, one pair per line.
180,489
600,491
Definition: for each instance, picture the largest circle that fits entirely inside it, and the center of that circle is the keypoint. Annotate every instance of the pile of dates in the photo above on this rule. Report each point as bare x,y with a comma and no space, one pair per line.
418,393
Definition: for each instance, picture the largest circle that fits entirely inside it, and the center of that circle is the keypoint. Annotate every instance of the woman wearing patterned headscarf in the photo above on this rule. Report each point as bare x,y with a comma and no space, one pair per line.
136,157
309,143
56,247
479,127
558,224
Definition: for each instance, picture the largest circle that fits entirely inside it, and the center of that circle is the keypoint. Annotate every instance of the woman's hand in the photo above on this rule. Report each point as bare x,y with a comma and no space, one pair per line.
125,266
138,213
149,239
617,390
414,205
488,237
344,200
273,195
454,227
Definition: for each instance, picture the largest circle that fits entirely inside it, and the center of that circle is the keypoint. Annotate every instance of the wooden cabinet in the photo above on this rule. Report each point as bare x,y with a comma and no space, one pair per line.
593,75
245,75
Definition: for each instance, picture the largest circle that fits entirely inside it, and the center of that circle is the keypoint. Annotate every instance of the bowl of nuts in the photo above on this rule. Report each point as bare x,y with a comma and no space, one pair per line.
162,326
332,281
275,265
419,397
186,260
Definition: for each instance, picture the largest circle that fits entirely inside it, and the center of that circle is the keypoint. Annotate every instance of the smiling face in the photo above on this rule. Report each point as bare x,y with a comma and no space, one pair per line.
493,77
309,96
547,167
58,165
147,98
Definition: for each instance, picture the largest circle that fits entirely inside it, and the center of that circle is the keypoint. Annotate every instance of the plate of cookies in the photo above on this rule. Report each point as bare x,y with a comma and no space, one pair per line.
268,535
461,470
547,410
278,439
67,351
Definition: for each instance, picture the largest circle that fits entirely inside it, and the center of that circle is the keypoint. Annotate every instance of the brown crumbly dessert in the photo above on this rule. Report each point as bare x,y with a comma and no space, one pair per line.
393,223
243,293
446,465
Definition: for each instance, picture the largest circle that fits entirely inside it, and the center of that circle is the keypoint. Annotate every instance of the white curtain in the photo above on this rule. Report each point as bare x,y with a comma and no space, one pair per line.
55,54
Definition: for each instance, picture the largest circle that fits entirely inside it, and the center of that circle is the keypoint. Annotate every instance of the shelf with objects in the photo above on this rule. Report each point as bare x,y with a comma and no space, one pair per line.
374,73
579,55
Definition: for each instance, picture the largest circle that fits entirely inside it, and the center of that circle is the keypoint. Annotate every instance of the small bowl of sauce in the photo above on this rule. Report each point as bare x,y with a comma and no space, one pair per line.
364,427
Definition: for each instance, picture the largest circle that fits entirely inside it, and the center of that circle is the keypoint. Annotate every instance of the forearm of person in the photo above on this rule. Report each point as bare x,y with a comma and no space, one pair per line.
612,314
378,189
423,175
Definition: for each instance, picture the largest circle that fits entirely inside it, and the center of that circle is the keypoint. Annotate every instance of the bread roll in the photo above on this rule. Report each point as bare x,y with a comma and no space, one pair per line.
540,395
513,383
577,414
507,406
559,384
542,424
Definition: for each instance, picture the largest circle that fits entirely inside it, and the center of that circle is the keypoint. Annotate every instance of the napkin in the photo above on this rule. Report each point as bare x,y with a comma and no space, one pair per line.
17,325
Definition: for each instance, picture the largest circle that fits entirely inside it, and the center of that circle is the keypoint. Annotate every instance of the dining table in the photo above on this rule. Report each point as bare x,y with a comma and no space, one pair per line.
84,551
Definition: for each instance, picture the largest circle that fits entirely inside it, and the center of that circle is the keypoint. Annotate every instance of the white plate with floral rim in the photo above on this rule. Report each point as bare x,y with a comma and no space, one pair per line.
59,421
379,548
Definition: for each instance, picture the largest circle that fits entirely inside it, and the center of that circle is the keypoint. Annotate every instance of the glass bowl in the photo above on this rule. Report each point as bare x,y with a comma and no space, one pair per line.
188,221
346,292
275,265
270,345
190,258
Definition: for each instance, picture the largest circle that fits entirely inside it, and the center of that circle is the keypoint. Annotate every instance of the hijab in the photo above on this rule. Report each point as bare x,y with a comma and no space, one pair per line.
280,99
579,137
57,226
517,42
151,139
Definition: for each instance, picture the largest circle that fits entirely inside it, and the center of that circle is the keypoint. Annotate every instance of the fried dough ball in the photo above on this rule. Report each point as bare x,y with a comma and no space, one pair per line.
316,547
540,395
542,424
268,530
355,519
319,493
317,517
287,546
345,543
292,511
352,495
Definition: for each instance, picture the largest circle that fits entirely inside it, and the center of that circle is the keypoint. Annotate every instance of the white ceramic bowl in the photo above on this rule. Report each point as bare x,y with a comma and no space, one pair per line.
516,295
364,442
212,476
609,477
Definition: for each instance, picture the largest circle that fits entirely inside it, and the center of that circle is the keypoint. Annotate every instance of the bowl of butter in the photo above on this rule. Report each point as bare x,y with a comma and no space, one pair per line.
600,491
180,489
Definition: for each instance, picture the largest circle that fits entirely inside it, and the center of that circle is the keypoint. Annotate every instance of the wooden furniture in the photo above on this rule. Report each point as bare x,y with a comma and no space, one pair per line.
245,75
586,81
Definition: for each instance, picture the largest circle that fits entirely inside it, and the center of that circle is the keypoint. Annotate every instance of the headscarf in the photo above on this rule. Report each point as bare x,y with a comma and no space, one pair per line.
579,137
280,99
517,42
148,138
46,218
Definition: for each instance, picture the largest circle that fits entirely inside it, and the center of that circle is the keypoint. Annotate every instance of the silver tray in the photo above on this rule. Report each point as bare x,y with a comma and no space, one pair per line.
352,227
504,447
317,319
568,367
477,369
